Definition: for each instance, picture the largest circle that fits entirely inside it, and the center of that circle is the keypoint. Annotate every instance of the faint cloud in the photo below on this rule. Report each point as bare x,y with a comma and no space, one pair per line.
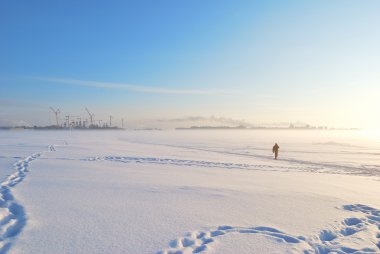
283,107
18,104
267,96
187,122
205,120
135,88
13,123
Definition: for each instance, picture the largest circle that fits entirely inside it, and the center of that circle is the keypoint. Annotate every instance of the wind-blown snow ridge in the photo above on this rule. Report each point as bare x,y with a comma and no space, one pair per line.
357,234
12,214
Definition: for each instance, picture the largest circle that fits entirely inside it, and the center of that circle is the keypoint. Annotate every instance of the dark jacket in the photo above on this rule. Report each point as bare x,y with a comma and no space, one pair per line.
275,148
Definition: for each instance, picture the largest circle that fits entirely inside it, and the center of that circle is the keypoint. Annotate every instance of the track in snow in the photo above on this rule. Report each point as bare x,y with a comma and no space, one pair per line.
197,163
362,229
12,214
304,165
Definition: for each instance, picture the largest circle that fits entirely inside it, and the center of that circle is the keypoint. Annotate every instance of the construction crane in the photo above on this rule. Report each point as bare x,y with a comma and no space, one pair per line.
56,112
91,116
110,121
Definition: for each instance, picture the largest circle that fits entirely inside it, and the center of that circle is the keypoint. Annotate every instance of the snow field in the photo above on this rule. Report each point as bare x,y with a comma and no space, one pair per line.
171,192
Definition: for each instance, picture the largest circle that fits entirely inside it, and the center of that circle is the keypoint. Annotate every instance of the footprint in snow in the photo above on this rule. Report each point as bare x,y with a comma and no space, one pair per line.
12,214
357,234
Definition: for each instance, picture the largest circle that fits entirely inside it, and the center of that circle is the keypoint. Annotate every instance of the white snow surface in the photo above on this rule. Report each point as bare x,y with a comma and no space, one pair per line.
189,192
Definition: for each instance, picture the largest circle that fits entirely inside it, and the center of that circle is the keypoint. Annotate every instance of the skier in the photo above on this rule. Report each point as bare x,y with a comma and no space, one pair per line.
275,150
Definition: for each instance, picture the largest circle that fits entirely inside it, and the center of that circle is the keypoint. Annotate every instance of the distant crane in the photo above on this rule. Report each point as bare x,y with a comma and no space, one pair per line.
91,116
56,112
110,121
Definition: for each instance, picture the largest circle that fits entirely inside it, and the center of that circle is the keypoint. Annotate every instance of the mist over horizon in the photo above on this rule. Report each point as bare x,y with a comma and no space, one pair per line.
173,123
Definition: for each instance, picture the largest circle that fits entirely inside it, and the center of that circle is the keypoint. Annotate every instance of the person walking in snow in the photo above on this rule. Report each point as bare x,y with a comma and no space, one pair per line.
275,150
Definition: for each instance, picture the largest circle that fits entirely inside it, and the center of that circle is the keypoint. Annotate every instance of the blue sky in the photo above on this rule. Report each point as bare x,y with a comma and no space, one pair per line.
262,61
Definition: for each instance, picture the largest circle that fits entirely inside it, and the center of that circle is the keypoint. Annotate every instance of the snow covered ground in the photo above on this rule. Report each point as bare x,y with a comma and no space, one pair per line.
189,192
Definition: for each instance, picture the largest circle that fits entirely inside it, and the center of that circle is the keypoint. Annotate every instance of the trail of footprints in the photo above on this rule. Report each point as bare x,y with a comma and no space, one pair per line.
362,230
312,167
197,163
12,214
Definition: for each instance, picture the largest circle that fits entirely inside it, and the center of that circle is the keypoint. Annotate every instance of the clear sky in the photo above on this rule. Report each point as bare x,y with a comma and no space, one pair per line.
261,61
